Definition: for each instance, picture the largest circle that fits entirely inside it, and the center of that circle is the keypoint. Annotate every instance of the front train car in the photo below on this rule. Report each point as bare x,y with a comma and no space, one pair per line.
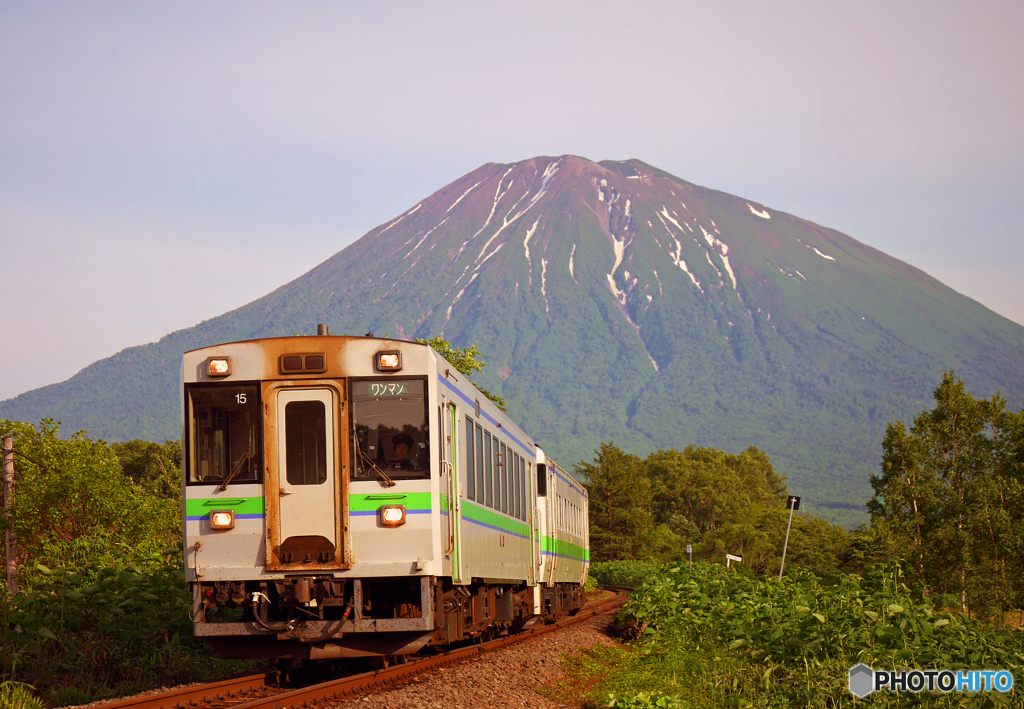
349,496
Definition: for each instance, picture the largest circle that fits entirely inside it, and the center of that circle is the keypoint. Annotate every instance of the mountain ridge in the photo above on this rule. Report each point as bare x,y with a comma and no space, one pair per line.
616,301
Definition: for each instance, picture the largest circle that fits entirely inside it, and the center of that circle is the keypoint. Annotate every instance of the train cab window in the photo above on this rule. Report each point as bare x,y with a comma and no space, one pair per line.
389,429
224,434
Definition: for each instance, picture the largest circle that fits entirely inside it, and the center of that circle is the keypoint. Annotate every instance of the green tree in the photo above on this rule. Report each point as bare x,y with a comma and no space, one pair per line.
156,467
949,497
466,360
620,505
74,488
707,488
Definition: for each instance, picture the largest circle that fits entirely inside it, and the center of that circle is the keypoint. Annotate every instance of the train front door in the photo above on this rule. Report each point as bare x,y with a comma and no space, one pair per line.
307,480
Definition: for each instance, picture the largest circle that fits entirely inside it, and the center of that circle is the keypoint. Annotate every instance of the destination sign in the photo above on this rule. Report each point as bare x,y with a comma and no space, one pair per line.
386,389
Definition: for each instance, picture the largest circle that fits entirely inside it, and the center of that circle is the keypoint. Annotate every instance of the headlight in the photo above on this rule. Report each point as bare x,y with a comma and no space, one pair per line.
222,519
218,366
388,361
392,515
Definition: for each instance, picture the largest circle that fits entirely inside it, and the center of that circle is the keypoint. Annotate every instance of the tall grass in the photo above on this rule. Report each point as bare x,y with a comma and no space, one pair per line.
715,638
111,620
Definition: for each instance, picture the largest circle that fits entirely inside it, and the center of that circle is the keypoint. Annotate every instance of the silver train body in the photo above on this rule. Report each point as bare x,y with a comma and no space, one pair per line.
353,496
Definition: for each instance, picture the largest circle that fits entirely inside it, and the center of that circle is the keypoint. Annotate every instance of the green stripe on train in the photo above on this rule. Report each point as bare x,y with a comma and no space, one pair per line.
560,546
241,505
484,515
371,503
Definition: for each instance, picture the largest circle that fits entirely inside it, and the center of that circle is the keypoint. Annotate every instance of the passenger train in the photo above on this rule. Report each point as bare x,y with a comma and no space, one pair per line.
358,496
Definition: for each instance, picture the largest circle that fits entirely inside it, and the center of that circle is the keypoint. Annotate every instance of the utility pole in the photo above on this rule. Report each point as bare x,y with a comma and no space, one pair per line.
792,504
10,550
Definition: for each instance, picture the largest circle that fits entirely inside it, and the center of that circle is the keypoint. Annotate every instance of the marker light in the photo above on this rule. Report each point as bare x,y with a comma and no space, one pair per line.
392,515
218,366
222,519
388,361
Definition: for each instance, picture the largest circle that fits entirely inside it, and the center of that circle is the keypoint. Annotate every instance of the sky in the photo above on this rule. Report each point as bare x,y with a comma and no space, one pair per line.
162,163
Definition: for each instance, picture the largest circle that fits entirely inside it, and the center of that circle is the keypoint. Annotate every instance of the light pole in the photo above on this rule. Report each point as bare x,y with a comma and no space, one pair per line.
792,504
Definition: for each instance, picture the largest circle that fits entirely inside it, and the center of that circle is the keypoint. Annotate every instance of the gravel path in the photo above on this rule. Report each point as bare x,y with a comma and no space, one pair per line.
504,679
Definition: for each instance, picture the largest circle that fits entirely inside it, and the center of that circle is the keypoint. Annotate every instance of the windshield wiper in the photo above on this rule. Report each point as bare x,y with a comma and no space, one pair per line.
368,462
237,469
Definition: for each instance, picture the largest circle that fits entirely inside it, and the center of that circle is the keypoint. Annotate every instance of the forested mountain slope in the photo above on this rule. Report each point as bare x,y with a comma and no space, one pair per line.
614,301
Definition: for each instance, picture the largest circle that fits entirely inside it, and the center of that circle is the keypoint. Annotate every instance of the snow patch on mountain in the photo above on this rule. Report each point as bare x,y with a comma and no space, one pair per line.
682,265
572,271
825,256
723,251
432,230
707,254
526,247
677,257
464,194
664,211
763,215
544,283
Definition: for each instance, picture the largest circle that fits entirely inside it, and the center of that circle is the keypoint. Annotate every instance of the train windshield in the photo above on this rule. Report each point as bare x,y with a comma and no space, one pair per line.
224,440
389,429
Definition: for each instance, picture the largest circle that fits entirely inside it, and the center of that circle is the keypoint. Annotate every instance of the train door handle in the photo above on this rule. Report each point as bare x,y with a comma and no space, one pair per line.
285,492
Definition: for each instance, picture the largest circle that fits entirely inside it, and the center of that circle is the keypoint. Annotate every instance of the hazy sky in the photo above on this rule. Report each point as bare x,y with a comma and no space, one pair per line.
163,163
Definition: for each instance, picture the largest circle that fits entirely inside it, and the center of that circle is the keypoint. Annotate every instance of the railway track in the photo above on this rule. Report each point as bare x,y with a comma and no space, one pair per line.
262,691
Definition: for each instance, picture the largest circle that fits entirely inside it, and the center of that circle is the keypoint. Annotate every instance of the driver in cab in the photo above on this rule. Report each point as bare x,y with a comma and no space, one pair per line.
403,444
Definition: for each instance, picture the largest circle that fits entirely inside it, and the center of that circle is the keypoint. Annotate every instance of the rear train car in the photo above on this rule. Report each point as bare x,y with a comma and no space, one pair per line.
352,496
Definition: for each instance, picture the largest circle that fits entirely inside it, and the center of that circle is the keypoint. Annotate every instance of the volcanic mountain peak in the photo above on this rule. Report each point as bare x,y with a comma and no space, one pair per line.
615,301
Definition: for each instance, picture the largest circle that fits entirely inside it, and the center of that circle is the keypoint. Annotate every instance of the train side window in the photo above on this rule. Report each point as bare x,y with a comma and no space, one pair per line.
542,479
479,472
470,462
527,481
224,438
519,487
489,475
504,479
515,486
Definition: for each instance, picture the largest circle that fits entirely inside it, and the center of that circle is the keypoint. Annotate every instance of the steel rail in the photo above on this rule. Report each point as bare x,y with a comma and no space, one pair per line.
184,696
228,691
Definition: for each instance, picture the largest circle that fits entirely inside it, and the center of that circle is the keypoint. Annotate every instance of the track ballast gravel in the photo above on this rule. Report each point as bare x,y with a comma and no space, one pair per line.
507,678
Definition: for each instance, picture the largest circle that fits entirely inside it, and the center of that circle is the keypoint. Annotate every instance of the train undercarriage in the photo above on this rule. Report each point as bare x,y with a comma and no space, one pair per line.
311,618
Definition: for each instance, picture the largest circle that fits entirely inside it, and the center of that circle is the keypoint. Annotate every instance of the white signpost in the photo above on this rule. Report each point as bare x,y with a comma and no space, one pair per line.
732,557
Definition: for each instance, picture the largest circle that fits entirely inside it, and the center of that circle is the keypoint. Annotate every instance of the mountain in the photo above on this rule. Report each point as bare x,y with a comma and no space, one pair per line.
615,301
